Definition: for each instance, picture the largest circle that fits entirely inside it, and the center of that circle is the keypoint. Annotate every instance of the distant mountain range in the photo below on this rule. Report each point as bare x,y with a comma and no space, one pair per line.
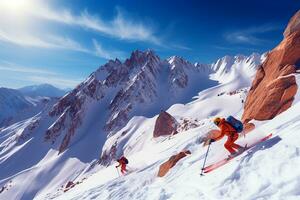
19,104
45,90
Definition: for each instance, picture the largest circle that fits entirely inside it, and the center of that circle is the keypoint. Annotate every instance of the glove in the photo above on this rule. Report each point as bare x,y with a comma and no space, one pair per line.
211,141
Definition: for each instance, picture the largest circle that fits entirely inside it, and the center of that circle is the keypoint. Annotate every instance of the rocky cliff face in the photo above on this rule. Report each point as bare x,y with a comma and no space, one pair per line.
274,86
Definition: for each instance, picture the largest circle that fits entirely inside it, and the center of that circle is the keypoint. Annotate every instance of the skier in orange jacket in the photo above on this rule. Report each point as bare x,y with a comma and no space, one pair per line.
122,162
228,130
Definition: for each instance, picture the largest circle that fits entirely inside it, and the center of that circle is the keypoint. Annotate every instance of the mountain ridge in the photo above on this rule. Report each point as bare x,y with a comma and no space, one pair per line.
45,89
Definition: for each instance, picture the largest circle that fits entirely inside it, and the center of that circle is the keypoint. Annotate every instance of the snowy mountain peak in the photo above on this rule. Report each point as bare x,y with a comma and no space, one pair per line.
229,68
138,58
177,60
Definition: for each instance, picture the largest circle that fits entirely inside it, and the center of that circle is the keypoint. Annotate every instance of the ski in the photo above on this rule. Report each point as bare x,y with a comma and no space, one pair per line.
220,163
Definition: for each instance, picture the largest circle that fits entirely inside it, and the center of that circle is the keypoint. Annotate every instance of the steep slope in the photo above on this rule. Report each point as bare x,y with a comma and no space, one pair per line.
247,176
67,139
43,90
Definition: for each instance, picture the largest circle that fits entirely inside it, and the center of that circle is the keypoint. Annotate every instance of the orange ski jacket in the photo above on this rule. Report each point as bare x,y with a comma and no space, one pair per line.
226,129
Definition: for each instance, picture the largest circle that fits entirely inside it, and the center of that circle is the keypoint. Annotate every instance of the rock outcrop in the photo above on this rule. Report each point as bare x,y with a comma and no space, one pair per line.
274,86
165,167
165,125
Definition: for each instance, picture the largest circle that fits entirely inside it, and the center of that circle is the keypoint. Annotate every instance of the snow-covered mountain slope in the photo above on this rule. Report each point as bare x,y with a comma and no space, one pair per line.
229,68
119,99
14,106
43,90
267,171
142,85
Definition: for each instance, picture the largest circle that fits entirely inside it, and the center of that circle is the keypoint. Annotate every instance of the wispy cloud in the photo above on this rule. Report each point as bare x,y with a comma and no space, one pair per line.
38,75
181,47
47,41
250,35
120,26
19,27
58,42
104,53
12,67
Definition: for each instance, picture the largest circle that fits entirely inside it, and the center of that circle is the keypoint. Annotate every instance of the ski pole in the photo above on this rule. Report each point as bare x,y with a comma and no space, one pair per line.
118,171
205,159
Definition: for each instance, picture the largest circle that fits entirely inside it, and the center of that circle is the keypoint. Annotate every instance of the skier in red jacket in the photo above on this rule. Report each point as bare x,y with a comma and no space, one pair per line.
122,162
228,130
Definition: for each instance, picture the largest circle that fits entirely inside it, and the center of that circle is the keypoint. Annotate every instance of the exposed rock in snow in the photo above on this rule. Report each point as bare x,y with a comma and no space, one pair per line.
274,86
165,167
165,125
185,124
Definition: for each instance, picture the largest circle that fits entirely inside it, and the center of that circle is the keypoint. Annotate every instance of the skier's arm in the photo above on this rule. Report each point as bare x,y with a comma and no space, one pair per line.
222,131
220,136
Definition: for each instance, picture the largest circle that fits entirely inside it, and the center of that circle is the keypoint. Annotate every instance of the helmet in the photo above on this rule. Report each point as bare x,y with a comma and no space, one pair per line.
217,120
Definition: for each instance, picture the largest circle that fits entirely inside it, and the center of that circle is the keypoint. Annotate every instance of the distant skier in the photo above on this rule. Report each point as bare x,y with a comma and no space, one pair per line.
122,162
228,130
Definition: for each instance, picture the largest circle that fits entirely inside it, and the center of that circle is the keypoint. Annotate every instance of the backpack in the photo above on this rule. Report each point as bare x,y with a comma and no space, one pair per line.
235,123
125,160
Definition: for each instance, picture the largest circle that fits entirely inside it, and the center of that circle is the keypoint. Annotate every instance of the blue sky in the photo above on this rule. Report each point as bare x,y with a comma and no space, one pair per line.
62,41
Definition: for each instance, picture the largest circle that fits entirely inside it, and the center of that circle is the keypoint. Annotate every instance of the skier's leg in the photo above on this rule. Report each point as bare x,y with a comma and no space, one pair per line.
233,139
228,146
123,169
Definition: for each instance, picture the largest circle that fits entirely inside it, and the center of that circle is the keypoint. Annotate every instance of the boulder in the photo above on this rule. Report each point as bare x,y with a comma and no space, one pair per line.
70,184
165,167
165,125
274,87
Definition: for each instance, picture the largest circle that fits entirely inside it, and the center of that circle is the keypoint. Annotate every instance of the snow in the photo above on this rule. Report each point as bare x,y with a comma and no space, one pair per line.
297,96
267,171
229,68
